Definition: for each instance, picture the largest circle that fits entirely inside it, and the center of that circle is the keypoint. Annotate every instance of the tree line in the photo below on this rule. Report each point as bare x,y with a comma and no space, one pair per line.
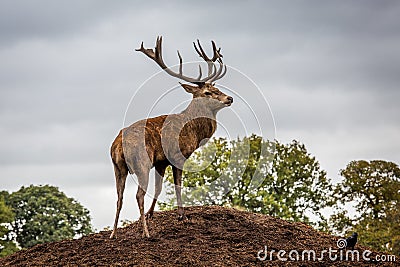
39,214
286,181
250,173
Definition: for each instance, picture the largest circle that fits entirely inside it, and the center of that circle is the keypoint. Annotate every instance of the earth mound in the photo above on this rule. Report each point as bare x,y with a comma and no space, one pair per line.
211,236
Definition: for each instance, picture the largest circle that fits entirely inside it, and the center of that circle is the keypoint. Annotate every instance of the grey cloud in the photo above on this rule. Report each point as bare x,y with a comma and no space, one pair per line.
24,20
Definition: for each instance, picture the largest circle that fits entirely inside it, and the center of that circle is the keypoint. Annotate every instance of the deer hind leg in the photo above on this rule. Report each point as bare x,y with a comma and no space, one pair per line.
121,172
158,176
143,179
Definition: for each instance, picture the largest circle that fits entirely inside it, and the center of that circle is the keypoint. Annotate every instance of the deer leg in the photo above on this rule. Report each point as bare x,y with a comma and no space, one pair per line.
143,179
120,178
177,172
159,174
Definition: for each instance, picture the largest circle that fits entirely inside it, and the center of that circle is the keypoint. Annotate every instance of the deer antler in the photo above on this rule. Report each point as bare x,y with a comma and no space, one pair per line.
213,73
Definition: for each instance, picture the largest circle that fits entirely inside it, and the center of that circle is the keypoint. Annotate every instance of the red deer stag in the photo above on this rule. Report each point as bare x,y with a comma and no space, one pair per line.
169,139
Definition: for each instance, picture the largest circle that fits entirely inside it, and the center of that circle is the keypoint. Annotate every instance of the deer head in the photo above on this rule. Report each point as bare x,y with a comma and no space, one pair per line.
203,89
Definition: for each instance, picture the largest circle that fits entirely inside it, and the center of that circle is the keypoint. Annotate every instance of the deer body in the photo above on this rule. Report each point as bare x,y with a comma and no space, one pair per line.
165,140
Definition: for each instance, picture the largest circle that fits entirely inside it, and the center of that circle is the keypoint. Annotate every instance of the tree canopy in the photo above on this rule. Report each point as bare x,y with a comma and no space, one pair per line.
45,214
282,180
7,246
374,189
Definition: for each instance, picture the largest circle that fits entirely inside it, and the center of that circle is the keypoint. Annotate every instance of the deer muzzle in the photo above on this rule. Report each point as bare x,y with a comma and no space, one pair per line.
228,101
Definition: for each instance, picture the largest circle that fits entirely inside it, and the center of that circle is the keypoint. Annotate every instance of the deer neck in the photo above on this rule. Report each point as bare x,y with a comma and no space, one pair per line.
200,117
198,108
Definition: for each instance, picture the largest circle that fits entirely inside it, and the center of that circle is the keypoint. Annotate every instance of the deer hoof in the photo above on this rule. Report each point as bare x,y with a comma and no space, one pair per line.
145,234
149,215
182,217
113,235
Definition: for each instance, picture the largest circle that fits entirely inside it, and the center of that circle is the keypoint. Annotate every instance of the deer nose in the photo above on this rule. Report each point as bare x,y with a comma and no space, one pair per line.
230,99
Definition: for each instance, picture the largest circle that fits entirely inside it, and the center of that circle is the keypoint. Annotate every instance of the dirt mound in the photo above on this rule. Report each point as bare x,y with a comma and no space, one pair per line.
211,236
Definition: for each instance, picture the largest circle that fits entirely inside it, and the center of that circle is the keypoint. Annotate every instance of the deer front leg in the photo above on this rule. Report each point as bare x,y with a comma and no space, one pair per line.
177,172
159,174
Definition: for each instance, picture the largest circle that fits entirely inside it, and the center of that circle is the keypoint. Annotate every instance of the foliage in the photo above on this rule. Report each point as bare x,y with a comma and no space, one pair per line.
6,218
374,188
282,180
45,214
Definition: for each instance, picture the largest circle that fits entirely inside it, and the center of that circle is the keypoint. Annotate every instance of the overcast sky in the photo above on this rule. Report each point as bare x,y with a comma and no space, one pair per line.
330,71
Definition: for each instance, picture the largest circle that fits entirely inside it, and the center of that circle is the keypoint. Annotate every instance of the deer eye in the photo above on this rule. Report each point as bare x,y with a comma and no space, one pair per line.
208,93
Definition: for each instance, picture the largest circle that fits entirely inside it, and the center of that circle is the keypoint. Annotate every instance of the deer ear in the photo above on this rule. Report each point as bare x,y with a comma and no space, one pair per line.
190,88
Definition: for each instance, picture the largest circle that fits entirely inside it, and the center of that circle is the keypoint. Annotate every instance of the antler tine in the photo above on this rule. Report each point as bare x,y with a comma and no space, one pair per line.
217,52
202,53
180,62
200,73
223,74
159,49
148,52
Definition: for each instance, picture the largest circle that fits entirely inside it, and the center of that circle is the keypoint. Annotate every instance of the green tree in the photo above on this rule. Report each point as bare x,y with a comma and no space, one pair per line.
7,246
282,180
374,189
45,214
